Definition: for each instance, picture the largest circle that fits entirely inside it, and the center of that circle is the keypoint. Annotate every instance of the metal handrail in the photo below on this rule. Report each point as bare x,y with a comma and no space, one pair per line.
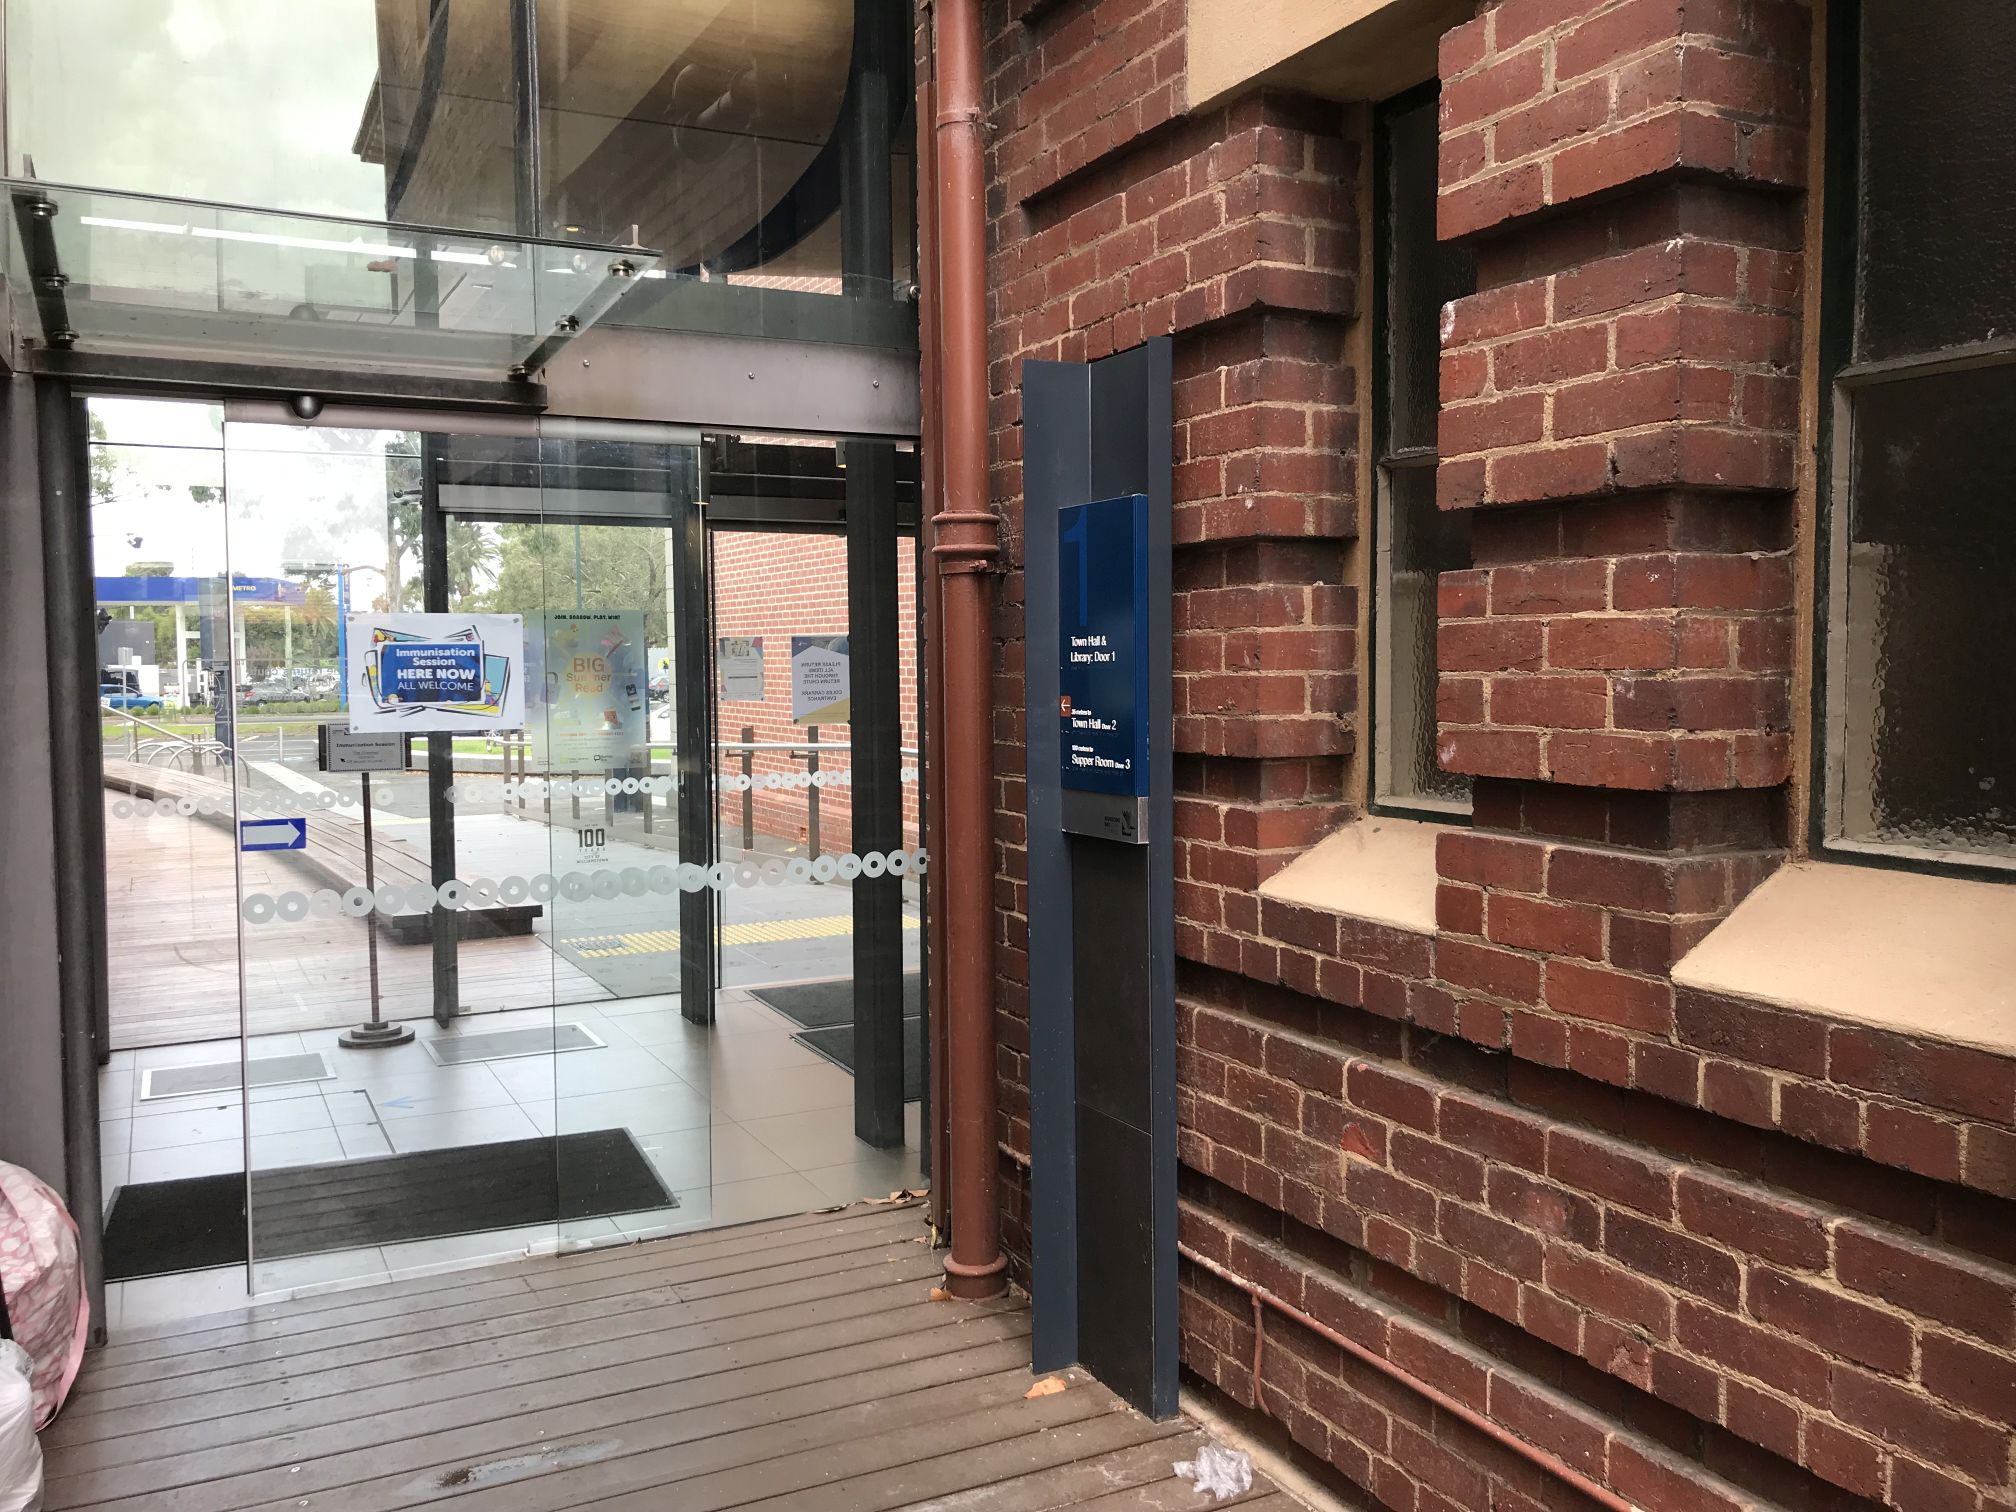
824,748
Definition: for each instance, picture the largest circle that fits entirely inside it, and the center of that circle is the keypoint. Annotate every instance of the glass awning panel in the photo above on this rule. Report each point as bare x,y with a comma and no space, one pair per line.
119,274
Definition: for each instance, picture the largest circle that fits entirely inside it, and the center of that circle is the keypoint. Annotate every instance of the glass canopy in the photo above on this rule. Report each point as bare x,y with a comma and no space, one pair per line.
140,276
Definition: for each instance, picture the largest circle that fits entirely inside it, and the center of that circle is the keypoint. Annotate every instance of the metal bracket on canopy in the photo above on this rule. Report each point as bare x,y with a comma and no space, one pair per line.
35,214
621,276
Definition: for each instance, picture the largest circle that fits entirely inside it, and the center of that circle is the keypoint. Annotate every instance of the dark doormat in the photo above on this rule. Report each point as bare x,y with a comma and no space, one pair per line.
836,1043
159,1227
821,1005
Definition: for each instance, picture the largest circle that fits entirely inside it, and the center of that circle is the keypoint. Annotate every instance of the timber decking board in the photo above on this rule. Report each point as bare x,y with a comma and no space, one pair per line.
798,1365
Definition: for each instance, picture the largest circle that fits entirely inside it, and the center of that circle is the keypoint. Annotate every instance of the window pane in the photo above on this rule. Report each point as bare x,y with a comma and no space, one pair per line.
1422,542
1928,748
1938,218
1422,275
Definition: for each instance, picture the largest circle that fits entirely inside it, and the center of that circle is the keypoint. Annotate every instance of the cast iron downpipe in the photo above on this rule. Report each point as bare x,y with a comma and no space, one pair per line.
964,542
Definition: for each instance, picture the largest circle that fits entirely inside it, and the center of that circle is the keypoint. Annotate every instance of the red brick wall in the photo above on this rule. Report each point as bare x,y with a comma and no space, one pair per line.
1712,1253
778,586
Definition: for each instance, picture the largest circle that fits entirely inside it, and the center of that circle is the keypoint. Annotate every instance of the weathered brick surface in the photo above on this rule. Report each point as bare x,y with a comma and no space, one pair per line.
1713,1252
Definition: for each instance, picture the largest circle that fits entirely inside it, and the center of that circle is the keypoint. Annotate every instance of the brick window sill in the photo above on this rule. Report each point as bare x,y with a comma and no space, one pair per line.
1378,869
1929,957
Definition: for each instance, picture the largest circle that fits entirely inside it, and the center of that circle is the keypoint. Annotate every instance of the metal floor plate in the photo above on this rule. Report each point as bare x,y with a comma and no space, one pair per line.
509,1044
222,1076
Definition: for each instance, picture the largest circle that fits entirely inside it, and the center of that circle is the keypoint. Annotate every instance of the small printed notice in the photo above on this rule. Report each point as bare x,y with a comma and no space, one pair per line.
740,660
822,690
436,672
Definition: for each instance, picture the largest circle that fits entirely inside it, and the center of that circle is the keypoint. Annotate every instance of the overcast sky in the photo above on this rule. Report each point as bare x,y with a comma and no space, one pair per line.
247,101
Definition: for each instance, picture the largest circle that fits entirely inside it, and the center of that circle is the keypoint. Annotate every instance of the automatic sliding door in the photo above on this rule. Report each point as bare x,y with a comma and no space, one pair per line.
819,1057
594,561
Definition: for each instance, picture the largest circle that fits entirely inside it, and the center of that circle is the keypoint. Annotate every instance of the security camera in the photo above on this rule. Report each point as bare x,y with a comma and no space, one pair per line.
305,406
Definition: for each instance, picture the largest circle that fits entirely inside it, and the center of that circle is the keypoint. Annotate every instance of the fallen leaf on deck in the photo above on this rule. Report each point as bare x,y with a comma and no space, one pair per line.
1049,1386
939,1294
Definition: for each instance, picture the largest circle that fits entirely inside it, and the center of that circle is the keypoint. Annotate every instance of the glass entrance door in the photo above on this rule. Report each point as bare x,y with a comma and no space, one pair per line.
485,894
650,961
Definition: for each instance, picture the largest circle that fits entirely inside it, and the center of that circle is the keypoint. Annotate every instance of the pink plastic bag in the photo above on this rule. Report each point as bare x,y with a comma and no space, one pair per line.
44,1284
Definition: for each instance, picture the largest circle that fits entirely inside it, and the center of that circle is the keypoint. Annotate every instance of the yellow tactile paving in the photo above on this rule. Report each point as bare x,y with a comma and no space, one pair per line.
759,932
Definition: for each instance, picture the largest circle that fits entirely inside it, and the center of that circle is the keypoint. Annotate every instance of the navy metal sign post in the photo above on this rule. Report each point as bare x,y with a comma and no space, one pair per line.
1102,1018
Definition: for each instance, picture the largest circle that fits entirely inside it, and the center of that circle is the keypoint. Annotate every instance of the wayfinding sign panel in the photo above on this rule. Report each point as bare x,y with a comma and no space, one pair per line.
1102,674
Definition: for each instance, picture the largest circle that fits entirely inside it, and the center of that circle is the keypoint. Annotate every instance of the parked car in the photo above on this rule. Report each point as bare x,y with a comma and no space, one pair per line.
118,696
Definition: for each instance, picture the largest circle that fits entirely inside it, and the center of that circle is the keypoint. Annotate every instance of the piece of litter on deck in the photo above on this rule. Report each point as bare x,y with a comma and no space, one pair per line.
1218,1472
939,1294
1048,1386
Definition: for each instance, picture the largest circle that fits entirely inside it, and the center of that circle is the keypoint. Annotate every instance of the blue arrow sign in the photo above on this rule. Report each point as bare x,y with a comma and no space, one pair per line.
398,1102
272,834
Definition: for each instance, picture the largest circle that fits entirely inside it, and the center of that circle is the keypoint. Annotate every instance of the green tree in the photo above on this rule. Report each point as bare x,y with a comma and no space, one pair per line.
585,567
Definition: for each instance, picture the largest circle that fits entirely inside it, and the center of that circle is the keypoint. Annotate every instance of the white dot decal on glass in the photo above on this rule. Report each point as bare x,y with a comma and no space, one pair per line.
346,800
186,807
691,878
607,884
918,860
899,863
451,794
483,891
164,806
381,799
773,872
632,785
206,805
420,897
513,889
356,902
799,869
660,785
122,809
257,908
543,887
324,904
612,784
664,881
390,898
327,800
292,906
850,866
635,883
452,894
747,873
720,876
825,869
576,887
874,864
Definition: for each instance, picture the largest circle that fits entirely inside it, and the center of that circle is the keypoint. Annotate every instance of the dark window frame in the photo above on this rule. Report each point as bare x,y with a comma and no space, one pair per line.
1381,797
1842,378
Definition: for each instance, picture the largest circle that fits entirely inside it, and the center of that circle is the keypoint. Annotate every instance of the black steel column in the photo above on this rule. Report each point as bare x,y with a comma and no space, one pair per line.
447,924
77,803
877,791
866,251
693,737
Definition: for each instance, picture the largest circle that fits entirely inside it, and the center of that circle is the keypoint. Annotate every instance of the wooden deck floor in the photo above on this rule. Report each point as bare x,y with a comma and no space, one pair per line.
797,1364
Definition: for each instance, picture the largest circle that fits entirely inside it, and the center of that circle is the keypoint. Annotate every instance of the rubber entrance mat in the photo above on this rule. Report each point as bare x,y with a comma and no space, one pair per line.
158,1227
821,1005
836,1043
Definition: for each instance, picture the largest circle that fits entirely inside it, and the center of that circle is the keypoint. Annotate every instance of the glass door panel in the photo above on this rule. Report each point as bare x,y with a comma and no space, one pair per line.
819,1060
170,1094
359,1142
590,561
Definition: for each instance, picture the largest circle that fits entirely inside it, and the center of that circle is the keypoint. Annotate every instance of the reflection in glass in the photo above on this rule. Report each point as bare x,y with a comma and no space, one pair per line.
1414,541
1422,543
1928,755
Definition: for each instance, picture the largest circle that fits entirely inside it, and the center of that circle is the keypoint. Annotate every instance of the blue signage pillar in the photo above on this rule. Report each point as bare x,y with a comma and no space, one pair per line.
1102,1017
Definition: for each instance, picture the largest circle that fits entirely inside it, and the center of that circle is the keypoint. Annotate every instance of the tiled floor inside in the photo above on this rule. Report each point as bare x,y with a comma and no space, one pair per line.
739,1120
